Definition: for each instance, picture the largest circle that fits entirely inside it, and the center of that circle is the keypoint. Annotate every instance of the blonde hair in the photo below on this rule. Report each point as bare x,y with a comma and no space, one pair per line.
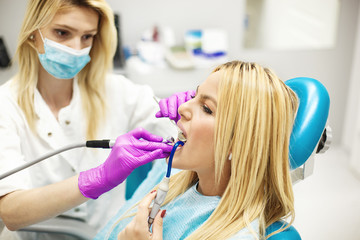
254,120
91,79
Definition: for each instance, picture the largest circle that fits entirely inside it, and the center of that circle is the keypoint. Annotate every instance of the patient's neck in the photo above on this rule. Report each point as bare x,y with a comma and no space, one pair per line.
207,185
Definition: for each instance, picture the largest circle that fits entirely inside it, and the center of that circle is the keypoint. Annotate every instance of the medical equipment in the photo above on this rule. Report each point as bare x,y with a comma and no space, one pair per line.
163,186
90,144
170,140
309,136
182,137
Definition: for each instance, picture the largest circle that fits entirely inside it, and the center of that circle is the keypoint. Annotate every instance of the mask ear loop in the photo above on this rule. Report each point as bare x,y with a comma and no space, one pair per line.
41,35
42,41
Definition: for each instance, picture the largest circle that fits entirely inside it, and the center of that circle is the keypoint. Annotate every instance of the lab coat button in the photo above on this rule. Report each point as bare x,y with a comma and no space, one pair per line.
67,122
49,134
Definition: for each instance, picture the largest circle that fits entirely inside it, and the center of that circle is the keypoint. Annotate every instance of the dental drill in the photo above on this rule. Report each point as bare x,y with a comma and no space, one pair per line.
90,144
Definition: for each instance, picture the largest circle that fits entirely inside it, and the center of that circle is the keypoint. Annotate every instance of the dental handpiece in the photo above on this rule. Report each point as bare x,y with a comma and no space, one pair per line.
90,144
163,187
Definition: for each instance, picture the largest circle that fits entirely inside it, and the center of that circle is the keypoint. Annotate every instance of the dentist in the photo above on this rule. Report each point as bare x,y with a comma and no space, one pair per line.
63,93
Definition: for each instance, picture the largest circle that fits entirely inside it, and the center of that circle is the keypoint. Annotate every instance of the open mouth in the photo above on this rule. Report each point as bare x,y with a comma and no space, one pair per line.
181,136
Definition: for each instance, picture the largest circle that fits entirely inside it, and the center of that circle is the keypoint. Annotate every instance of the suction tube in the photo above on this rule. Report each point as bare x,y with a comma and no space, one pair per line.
171,157
163,186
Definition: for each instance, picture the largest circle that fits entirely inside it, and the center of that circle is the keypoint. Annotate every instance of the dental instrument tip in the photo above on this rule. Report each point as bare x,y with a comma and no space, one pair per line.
150,222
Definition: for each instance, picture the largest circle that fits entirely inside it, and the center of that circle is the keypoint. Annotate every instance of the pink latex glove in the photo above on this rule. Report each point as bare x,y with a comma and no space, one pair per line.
130,151
169,106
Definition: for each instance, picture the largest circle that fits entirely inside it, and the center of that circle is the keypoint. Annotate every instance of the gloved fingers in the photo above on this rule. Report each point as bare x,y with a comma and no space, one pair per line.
158,114
151,146
173,105
150,156
139,133
164,155
163,104
157,233
169,106
189,95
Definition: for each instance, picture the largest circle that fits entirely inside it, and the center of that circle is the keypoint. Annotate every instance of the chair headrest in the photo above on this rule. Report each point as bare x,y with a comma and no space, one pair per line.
311,118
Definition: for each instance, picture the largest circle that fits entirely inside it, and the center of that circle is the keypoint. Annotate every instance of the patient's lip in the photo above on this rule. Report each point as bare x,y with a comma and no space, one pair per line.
181,128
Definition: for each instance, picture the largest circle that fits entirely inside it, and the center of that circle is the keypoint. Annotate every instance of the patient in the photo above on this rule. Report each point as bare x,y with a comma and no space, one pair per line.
235,178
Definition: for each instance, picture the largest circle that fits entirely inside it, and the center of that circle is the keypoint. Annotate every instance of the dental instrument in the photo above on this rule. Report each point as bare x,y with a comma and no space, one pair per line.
163,187
90,144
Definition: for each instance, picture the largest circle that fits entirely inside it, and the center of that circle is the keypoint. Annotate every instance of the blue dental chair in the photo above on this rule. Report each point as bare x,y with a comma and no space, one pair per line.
310,136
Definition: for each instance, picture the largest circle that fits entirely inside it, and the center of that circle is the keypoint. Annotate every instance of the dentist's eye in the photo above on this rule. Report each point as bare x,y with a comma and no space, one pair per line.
206,109
88,37
61,33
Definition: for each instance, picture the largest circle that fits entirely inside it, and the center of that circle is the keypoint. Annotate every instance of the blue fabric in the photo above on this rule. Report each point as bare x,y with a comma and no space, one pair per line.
289,234
135,179
184,214
191,209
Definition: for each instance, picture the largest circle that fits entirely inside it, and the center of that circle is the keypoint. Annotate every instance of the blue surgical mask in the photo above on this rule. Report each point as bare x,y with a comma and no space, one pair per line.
61,61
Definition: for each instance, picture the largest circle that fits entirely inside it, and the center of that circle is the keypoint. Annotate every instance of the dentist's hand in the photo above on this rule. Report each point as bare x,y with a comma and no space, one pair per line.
130,151
138,228
169,106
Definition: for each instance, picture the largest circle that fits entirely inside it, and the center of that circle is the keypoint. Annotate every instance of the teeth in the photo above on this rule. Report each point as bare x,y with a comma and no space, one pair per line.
181,137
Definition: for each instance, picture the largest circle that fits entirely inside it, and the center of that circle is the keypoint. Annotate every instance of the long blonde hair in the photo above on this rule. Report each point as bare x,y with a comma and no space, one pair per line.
91,79
254,120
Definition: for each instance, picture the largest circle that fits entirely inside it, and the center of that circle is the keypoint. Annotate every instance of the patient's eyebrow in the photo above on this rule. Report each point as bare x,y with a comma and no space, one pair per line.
205,97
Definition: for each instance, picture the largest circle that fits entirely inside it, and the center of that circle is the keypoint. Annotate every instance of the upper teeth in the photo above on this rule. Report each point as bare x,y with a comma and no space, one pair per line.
181,137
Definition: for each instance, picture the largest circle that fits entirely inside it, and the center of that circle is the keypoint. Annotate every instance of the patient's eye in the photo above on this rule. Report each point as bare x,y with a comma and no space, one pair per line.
206,109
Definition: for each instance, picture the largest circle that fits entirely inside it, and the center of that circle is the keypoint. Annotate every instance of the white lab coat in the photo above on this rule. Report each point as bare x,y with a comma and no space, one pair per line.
128,106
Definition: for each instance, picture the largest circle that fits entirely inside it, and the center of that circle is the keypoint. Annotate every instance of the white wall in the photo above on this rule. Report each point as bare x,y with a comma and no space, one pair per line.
11,16
332,67
307,25
351,135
